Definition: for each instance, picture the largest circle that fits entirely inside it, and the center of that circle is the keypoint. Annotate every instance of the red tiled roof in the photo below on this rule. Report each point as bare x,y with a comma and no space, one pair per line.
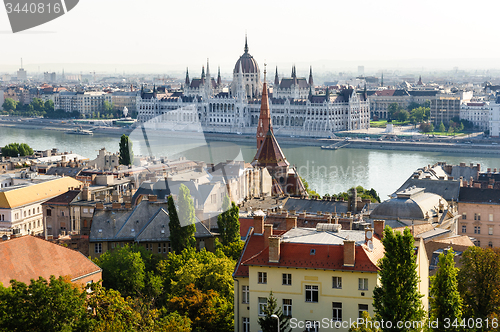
245,224
270,153
385,93
297,255
28,257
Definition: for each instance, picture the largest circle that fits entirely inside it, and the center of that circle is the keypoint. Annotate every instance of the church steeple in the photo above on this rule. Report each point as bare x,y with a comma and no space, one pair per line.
264,124
187,77
382,80
219,79
311,82
203,74
276,78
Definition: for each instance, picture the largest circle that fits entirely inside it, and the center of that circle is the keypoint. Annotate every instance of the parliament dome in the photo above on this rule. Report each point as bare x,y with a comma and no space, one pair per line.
247,62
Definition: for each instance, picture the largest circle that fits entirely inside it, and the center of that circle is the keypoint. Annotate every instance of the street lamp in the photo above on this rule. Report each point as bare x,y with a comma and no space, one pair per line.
276,317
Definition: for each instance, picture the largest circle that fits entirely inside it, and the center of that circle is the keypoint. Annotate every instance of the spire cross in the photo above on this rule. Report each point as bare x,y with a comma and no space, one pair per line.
265,71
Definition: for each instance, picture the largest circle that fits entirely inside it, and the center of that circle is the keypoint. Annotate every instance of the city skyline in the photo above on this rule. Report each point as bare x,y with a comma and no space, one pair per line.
158,36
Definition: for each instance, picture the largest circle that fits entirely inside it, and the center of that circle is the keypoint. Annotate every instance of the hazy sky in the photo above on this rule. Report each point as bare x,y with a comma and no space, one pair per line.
177,34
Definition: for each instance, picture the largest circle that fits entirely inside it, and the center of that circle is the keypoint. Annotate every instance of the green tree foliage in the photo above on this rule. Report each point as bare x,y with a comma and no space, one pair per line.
420,114
441,128
371,194
397,298
445,300
229,223
367,325
402,115
426,127
309,191
15,149
126,153
182,220
9,105
123,270
479,282
45,306
232,250
207,311
189,275
392,109
270,324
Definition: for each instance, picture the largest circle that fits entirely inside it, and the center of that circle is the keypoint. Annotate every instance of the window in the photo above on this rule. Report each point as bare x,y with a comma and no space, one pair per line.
246,324
464,215
363,284
478,243
287,279
245,294
262,278
311,293
464,229
490,217
312,326
477,216
98,248
477,229
287,307
49,212
337,282
262,305
490,244
361,308
337,311
490,230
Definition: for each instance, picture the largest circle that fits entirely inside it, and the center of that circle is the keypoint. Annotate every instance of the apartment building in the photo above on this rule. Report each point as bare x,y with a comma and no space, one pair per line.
480,215
85,103
314,273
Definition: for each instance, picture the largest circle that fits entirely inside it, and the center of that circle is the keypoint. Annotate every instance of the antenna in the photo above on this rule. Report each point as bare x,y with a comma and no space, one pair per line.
21,62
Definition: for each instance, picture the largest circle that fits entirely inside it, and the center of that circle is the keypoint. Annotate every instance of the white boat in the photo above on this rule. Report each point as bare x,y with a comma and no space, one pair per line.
79,131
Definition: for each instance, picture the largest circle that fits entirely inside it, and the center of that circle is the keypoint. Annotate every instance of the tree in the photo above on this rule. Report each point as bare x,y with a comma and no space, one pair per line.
54,305
402,115
182,220
479,282
270,324
441,128
206,310
9,104
445,300
420,114
107,108
123,270
426,127
126,153
392,109
397,298
229,223
367,324
15,149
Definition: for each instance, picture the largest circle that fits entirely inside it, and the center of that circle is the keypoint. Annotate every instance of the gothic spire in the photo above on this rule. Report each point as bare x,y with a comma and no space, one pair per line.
219,79
203,74
276,78
311,82
246,44
187,77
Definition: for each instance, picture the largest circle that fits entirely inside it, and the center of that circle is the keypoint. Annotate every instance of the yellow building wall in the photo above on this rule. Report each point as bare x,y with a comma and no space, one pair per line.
350,296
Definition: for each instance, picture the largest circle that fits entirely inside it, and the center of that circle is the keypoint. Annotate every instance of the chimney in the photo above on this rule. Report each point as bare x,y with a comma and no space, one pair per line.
116,206
490,186
128,205
99,206
378,226
85,193
349,252
258,224
152,198
368,234
268,232
274,249
291,222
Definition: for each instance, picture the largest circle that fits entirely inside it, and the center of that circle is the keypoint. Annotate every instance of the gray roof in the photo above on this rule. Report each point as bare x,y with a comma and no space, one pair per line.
311,235
148,221
309,205
448,189
67,171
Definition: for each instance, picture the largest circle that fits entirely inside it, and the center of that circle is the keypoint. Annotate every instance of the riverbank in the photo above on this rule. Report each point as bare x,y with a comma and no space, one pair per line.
474,146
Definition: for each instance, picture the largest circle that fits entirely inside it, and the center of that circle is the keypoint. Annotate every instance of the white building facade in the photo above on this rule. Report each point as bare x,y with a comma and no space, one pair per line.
295,108
476,112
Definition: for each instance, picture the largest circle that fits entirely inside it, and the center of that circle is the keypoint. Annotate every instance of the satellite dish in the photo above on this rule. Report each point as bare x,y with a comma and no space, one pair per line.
369,234
370,245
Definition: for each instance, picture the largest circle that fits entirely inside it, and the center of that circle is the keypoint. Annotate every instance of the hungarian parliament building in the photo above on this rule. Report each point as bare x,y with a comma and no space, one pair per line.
296,108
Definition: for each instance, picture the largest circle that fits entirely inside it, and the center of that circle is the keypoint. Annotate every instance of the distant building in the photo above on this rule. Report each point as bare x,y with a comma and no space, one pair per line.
28,257
22,75
121,99
479,211
84,103
49,77
21,209
478,113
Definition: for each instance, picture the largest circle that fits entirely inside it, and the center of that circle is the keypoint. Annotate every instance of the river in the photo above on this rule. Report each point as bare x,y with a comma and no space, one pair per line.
326,171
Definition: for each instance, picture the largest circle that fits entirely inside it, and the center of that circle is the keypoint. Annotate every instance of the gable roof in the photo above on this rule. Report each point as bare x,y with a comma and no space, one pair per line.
479,195
29,257
270,153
